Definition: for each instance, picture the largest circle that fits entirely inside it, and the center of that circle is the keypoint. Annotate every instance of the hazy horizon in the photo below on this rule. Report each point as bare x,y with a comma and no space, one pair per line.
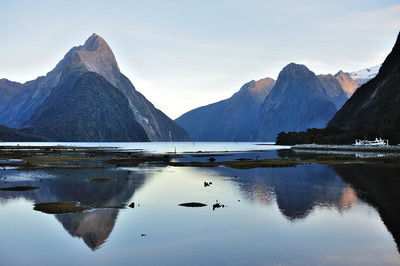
184,54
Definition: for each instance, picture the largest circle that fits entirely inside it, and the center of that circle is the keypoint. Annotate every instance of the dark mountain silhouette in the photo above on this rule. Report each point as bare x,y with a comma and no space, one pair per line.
375,106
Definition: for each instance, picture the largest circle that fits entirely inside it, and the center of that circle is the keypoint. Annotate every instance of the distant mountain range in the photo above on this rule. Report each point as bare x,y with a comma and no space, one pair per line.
372,111
232,119
84,98
299,99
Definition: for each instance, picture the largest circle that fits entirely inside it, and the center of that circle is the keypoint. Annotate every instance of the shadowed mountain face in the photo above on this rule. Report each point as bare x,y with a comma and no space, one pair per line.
11,134
22,104
299,100
90,110
376,104
232,119
333,90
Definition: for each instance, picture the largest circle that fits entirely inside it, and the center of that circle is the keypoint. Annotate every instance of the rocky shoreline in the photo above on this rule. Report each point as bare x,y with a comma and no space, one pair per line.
366,148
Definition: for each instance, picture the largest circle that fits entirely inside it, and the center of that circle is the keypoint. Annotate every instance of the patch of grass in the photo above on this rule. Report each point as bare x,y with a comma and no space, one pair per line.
193,204
271,163
100,179
19,188
61,207
57,159
136,160
64,207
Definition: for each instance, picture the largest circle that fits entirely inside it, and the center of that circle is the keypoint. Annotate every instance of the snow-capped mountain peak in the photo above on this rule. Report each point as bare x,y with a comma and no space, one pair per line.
364,75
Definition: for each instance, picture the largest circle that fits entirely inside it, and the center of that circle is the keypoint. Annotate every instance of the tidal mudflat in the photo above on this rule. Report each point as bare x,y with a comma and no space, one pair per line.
210,206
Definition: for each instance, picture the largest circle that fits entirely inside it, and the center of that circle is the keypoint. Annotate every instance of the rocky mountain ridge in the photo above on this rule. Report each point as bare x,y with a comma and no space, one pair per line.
22,104
299,100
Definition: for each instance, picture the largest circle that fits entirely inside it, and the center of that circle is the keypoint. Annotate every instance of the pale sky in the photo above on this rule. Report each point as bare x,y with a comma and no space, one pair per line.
182,54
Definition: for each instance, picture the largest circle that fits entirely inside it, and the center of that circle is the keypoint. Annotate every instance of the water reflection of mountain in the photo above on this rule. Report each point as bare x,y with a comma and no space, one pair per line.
298,190
73,185
380,187
94,227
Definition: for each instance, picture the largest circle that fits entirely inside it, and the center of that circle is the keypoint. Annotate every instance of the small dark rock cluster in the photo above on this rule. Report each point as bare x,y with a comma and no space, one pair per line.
207,184
218,205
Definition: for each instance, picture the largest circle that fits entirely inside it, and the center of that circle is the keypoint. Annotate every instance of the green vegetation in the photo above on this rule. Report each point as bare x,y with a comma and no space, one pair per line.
333,135
58,160
135,160
91,109
100,179
61,207
242,164
10,134
19,188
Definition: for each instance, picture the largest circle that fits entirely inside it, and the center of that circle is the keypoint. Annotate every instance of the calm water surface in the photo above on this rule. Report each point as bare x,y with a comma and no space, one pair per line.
307,215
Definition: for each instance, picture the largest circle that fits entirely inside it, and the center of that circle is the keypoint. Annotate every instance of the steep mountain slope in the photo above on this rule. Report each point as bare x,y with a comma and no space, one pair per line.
91,109
376,104
348,84
22,100
13,135
95,55
232,119
333,89
298,101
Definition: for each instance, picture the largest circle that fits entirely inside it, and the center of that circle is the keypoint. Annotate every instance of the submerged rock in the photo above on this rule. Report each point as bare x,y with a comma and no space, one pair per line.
19,188
192,204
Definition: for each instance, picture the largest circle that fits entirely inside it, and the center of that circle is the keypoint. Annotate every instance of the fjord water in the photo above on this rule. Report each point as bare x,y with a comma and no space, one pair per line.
309,214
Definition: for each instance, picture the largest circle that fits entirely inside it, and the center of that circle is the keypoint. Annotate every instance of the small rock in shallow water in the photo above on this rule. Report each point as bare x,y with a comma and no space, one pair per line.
217,205
132,205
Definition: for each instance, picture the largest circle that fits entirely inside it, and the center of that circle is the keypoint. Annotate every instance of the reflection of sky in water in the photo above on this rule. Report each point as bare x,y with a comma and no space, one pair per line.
296,215
162,147
24,176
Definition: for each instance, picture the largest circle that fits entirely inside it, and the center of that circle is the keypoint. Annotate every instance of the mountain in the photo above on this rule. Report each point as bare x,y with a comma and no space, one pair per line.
332,88
23,104
348,84
364,75
232,119
299,100
375,106
13,135
90,110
